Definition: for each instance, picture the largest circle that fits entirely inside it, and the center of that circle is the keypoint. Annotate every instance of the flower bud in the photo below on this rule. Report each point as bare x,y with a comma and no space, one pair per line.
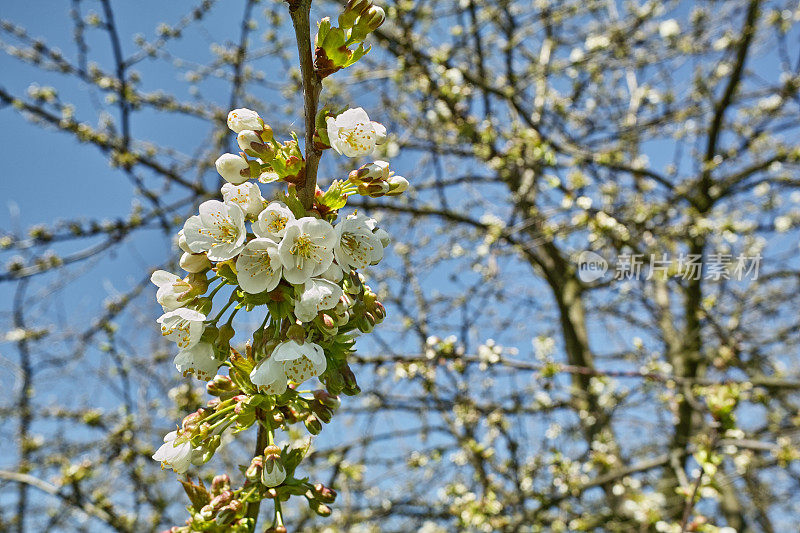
333,382
326,399
229,512
244,119
352,11
218,502
253,145
195,262
321,412
220,484
220,385
313,425
324,494
233,168
207,512
351,387
376,171
253,472
369,21
320,508
273,473
397,185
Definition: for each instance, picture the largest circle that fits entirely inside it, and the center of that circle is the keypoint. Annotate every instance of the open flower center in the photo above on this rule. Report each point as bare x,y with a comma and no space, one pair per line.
356,246
304,249
277,223
359,137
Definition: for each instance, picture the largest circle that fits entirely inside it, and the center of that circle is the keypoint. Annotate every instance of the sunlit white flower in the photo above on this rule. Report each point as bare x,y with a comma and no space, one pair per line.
306,249
669,28
218,229
300,361
272,221
318,295
195,263
182,326
258,267
177,456
244,119
198,359
269,377
356,245
353,134
234,168
171,289
289,361
247,196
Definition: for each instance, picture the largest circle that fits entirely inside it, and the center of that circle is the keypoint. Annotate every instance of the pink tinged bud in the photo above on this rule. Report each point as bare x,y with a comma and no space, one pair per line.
222,500
220,385
253,472
327,399
195,263
220,483
352,11
233,168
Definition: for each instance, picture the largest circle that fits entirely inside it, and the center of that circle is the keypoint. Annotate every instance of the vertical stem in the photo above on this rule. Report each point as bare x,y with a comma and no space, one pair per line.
261,443
312,85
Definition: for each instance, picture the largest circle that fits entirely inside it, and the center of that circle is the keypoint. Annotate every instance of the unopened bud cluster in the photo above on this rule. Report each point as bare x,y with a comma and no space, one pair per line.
356,22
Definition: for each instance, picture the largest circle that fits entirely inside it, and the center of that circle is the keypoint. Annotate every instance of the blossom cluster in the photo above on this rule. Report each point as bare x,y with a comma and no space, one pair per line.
301,265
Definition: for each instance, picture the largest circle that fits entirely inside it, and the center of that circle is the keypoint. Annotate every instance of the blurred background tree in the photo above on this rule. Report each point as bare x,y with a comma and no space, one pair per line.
505,392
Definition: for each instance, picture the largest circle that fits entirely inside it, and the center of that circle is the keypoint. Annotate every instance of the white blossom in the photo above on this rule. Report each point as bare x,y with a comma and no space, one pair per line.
171,289
289,361
306,249
198,359
244,119
353,134
258,267
356,245
272,221
182,326
669,28
182,244
300,361
218,230
177,456
233,168
247,196
268,376
318,295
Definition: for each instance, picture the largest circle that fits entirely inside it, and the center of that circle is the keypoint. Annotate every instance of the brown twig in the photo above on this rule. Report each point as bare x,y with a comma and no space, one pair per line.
312,85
